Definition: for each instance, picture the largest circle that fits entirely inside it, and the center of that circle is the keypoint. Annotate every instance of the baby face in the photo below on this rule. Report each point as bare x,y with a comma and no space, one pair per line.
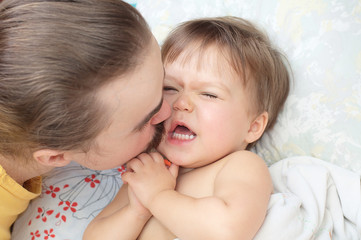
211,109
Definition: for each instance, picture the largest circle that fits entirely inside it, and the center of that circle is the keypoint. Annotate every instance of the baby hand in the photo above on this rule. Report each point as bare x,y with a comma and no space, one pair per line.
148,176
136,206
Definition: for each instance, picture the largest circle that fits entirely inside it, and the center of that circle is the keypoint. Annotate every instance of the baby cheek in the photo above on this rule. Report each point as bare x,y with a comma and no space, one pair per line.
219,123
172,96
212,117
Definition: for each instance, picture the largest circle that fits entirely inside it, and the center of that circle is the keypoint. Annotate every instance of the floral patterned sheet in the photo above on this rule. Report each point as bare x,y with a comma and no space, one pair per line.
72,196
321,118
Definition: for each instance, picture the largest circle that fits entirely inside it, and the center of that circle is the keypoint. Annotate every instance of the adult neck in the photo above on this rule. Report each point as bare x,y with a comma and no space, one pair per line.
22,170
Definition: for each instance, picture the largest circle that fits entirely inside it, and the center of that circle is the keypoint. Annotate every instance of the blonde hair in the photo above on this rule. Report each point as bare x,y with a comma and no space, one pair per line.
54,55
259,65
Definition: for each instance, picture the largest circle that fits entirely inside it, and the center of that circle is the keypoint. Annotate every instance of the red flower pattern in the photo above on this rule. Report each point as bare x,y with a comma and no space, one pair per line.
35,235
49,234
52,191
122,170
43,214
93,181
62,216
69,205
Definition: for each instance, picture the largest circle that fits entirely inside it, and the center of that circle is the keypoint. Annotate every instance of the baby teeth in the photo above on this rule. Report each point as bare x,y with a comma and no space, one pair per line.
180,136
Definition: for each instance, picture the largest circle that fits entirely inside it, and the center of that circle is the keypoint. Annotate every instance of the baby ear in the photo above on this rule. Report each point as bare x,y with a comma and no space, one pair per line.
49,157
257,127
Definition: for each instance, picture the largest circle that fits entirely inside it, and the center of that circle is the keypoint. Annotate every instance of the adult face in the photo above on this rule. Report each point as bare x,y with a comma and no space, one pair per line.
134,103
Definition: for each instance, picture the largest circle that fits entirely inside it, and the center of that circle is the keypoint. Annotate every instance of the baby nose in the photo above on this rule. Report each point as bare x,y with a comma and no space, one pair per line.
183,103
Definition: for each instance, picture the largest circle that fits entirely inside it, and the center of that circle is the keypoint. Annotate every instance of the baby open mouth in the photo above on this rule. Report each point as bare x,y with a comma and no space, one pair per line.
183,133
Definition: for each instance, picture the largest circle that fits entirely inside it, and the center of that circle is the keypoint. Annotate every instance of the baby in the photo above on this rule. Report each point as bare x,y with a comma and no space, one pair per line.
226,85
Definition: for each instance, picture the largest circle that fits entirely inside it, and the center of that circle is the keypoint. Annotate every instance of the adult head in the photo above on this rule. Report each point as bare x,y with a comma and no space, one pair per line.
79,80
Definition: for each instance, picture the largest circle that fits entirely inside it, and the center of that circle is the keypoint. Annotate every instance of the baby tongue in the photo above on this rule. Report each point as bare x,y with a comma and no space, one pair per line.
183,130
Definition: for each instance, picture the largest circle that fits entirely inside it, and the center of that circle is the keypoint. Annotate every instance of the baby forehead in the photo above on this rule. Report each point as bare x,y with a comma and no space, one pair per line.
202,68
209,58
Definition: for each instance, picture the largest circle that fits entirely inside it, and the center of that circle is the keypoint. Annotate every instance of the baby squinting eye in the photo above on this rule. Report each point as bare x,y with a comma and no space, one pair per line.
167,88
210,95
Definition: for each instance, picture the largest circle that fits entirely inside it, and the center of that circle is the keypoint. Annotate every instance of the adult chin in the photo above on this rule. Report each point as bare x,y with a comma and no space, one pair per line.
157,138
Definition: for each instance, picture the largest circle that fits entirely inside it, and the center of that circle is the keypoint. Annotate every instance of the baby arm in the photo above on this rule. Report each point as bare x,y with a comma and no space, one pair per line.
123,218
236,209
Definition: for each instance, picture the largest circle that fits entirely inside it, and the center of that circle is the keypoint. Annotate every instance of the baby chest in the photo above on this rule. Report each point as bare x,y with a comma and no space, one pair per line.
197,183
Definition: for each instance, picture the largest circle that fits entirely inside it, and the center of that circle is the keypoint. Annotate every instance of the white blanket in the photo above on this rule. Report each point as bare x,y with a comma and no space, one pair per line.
313,199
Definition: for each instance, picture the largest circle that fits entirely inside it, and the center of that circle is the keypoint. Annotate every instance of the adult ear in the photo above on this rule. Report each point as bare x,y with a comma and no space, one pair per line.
49,157
257,127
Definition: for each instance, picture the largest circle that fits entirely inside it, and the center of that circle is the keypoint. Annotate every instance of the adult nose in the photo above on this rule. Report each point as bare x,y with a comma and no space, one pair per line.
163,113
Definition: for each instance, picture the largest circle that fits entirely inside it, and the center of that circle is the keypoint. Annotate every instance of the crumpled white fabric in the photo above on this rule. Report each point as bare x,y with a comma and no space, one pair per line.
312,199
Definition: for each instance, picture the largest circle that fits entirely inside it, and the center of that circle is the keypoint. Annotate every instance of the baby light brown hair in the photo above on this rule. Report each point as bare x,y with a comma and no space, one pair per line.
261,67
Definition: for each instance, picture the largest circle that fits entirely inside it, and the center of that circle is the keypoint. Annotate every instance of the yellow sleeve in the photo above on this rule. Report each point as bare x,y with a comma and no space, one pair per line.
14,199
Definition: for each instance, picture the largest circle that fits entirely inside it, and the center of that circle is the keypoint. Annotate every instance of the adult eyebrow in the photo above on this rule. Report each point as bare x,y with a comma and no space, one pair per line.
149,116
